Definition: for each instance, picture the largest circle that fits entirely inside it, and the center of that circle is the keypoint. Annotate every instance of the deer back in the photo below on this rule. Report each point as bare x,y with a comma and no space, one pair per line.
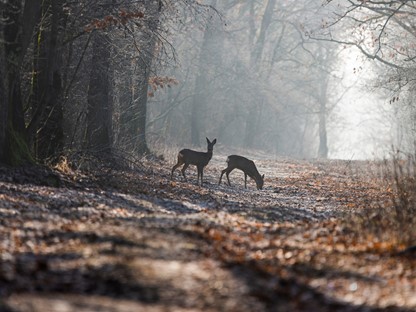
195,158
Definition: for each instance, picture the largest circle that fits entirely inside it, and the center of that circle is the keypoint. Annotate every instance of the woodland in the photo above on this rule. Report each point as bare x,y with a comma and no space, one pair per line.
99,98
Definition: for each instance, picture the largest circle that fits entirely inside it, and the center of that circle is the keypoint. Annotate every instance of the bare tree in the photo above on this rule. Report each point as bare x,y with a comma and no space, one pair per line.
383,32
210,54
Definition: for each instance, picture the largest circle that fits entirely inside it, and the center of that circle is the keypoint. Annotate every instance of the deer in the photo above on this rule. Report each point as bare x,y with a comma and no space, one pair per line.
247,166
188,157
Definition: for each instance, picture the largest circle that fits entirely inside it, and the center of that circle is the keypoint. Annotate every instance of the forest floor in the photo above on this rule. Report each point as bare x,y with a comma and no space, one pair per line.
135,240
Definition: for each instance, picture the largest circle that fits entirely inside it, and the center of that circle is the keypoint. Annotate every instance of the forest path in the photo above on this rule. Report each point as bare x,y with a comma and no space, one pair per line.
137,241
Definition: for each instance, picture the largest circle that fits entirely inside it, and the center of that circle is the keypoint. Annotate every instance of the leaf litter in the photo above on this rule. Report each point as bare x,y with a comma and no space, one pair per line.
134,240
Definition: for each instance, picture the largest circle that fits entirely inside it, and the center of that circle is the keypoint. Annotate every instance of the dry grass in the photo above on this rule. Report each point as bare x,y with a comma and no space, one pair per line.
390,217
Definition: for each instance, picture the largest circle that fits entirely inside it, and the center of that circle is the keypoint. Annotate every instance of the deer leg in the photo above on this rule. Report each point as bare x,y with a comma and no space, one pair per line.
173,169
245,180
228,178
222,173
200,173
180,162
183,170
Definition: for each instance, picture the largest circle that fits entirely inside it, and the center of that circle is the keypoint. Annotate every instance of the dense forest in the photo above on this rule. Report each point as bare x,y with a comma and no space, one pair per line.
129,77
102,100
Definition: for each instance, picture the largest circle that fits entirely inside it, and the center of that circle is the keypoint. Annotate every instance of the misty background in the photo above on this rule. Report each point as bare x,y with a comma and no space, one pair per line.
254,78
305,79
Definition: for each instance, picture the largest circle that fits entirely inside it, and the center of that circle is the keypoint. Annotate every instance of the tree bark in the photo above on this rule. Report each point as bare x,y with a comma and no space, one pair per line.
17,35
46,126
209,57
127,125
258,48
324,57
51,135
3,98
199,101
145,63
323,140
253,115
141,145
99,110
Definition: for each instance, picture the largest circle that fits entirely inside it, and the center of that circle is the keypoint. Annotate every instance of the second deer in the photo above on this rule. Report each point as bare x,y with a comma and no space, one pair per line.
188,157
245,165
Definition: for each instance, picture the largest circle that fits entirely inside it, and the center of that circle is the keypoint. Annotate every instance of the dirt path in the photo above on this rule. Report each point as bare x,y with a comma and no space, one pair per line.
137,241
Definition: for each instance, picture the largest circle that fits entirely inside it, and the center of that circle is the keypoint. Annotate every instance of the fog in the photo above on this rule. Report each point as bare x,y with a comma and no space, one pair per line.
256,80
305,79
365,127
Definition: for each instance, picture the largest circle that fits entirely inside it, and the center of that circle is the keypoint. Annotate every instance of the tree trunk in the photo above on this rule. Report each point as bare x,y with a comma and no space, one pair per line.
258,48
49,122
199,101
99,110
140,114
323,141
208,58
145,63
3,101
17,35
141,145
253,115
127,125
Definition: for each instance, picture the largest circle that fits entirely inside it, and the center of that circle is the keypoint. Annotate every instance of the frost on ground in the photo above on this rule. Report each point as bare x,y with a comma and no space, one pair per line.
134,240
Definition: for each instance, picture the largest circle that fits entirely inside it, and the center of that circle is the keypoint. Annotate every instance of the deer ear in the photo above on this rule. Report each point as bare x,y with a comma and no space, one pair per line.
215,141
262,176
207,140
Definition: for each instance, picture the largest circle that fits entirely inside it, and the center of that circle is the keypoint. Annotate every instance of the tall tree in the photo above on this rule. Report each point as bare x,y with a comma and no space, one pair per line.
322,125
45,127
149,40
209,57
98,137
3,93
21,20
134,99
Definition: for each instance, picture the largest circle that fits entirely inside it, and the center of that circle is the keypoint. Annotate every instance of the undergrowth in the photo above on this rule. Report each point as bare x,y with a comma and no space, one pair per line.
391,221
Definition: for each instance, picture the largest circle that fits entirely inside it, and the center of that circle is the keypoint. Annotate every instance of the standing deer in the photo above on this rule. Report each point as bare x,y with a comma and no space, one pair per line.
199,159
245,165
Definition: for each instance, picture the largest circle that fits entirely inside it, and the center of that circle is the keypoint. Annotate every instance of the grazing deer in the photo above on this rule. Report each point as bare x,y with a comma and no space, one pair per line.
199,159
245,165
